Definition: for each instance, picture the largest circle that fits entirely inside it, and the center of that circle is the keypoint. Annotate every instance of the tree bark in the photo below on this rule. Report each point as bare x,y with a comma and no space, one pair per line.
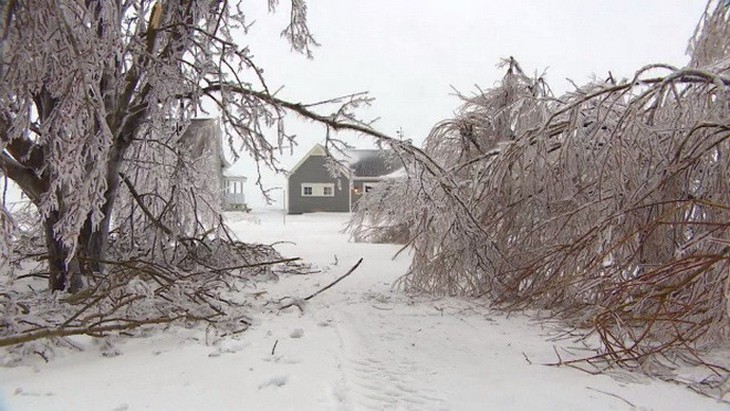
67,271
63,272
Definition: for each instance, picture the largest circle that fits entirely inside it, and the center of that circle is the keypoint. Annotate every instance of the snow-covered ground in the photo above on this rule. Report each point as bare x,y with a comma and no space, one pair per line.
358,345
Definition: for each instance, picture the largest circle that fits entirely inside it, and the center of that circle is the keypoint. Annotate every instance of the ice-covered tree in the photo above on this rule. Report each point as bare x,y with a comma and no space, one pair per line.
93,92
609,205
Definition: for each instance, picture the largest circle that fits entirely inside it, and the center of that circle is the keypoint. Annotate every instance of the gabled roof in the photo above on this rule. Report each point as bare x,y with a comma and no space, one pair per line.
317,151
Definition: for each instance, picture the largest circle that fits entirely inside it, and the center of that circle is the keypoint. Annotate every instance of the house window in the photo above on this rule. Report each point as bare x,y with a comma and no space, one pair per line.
368,187
318,190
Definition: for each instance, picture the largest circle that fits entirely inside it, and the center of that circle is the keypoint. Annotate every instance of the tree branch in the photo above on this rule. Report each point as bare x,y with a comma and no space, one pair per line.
91,330
31,185
157,223
325,288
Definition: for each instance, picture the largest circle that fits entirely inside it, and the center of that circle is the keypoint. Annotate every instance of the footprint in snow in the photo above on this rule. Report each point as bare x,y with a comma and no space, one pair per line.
389,384
276,382
20,391
280,359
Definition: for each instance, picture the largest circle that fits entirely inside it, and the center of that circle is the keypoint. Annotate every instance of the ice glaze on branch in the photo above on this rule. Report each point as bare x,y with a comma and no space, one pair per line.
85,86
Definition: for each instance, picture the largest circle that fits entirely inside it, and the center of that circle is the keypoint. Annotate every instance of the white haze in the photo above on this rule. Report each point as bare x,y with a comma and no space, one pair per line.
409,54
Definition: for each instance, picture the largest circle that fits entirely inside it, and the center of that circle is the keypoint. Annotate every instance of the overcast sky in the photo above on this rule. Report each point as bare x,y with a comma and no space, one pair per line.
409,53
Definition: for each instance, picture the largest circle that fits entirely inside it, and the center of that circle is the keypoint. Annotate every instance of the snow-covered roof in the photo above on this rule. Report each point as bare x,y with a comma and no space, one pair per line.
373,163
401,172
231,175
361,163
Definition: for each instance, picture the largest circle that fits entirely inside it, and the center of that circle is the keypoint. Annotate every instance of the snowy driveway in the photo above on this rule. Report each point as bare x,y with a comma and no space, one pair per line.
359,345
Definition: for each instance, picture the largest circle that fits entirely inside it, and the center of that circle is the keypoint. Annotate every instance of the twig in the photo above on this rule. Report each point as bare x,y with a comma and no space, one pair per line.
32,275
325,288
262,264
330,285
273,349
526,358
560,359
613,395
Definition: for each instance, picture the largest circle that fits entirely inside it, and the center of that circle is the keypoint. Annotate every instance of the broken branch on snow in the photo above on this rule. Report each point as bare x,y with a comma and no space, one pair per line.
299,302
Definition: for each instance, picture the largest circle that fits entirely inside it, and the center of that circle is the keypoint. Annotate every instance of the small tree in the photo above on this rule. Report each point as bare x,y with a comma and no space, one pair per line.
94,88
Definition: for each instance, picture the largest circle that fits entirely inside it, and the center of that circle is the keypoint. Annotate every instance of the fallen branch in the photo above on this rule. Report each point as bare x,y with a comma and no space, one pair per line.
184,287
92,330
297,302
240,267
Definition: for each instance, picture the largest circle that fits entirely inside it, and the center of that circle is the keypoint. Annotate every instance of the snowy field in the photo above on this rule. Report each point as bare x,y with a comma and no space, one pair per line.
358,345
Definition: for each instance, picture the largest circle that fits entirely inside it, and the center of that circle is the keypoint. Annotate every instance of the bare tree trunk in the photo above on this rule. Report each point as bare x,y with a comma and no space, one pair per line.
67,272
56,266
62,274
95,242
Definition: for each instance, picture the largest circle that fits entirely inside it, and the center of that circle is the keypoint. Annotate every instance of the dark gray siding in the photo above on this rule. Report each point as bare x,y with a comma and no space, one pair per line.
313,170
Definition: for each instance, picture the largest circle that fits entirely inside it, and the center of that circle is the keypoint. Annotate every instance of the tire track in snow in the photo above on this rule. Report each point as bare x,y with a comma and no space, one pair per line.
376,373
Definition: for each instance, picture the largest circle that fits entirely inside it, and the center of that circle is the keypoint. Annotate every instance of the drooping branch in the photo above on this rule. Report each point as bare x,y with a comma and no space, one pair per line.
607,206
156,221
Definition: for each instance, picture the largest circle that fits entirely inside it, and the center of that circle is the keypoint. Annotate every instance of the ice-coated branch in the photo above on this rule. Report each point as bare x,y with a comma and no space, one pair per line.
608,207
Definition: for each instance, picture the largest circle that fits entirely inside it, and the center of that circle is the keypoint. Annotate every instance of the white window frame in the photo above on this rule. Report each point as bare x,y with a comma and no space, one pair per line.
318,189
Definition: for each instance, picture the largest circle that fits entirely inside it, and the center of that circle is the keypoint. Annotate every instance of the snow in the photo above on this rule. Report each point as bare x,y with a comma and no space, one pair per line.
358,345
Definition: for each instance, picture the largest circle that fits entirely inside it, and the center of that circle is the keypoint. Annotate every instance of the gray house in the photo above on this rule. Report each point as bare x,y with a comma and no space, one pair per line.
314,186
203,139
